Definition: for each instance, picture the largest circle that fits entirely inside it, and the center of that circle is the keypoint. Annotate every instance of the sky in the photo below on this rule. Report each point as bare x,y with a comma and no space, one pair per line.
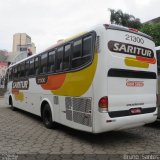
47,21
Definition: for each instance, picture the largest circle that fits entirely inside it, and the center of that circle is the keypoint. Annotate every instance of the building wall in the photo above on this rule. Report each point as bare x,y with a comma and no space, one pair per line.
21,43
20,39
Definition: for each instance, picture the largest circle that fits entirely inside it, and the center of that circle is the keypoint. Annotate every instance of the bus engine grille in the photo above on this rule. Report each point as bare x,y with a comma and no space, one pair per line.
79,110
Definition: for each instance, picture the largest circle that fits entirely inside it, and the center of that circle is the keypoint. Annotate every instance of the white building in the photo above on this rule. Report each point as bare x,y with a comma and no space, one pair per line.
21,43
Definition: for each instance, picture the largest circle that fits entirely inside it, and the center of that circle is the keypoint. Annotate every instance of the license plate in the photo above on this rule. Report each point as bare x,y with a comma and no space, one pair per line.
135,110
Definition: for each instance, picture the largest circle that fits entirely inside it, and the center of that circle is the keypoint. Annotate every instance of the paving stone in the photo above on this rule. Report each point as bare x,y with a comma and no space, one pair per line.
24,134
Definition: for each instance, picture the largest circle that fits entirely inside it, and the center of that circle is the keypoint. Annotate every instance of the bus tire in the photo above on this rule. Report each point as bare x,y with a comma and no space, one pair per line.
47,117
11,104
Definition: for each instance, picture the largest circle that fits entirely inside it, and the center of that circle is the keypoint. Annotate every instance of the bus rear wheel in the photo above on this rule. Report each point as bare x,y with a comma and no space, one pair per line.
47,117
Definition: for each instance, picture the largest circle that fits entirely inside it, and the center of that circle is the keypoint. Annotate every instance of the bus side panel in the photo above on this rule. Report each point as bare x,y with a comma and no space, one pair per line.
76,112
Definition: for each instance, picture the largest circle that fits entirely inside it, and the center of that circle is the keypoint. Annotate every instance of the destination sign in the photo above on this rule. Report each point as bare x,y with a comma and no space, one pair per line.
21,84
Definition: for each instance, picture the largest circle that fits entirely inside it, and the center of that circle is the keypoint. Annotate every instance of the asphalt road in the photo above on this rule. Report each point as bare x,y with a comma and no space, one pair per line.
23,133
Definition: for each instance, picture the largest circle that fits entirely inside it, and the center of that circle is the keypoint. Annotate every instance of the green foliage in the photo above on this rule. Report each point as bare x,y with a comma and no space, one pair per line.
153,30
124,19
127,20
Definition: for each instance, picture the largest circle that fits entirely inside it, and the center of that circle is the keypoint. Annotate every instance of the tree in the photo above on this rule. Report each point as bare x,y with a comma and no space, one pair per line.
124,19
153,30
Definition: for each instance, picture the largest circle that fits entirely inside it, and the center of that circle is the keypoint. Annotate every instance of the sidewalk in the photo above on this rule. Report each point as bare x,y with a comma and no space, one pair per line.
2,103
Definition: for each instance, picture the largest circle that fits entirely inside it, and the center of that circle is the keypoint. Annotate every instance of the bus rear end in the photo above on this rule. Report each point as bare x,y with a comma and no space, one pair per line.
127,98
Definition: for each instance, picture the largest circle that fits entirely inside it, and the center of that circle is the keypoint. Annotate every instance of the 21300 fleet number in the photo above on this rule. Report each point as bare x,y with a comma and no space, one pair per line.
134,39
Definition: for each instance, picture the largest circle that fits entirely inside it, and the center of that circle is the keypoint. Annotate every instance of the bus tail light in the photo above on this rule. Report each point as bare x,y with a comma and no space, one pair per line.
133,29
103,104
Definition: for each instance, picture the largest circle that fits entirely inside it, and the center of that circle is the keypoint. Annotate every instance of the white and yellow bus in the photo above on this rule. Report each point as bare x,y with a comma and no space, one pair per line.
158,68
103,79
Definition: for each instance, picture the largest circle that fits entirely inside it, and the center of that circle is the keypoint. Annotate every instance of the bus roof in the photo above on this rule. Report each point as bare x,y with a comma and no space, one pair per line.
126,29
107,26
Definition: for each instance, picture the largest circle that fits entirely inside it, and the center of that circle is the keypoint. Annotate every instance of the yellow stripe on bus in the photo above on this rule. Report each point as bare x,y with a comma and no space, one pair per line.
75,36
133,62
78,82
19,96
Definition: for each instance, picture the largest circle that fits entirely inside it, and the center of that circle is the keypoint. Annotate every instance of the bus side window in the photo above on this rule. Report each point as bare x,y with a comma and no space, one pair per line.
27,68
59,59
77,48
77,53
51,61
36,65
44,58
87,46
18,71
15,75
6,78
10,74
22,73
31,67
66,58
87,50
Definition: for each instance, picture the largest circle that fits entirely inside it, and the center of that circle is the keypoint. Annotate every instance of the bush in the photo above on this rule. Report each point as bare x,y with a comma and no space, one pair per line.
153,30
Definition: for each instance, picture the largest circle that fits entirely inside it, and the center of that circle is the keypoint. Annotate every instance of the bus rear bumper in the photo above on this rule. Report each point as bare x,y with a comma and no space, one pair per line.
104,124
